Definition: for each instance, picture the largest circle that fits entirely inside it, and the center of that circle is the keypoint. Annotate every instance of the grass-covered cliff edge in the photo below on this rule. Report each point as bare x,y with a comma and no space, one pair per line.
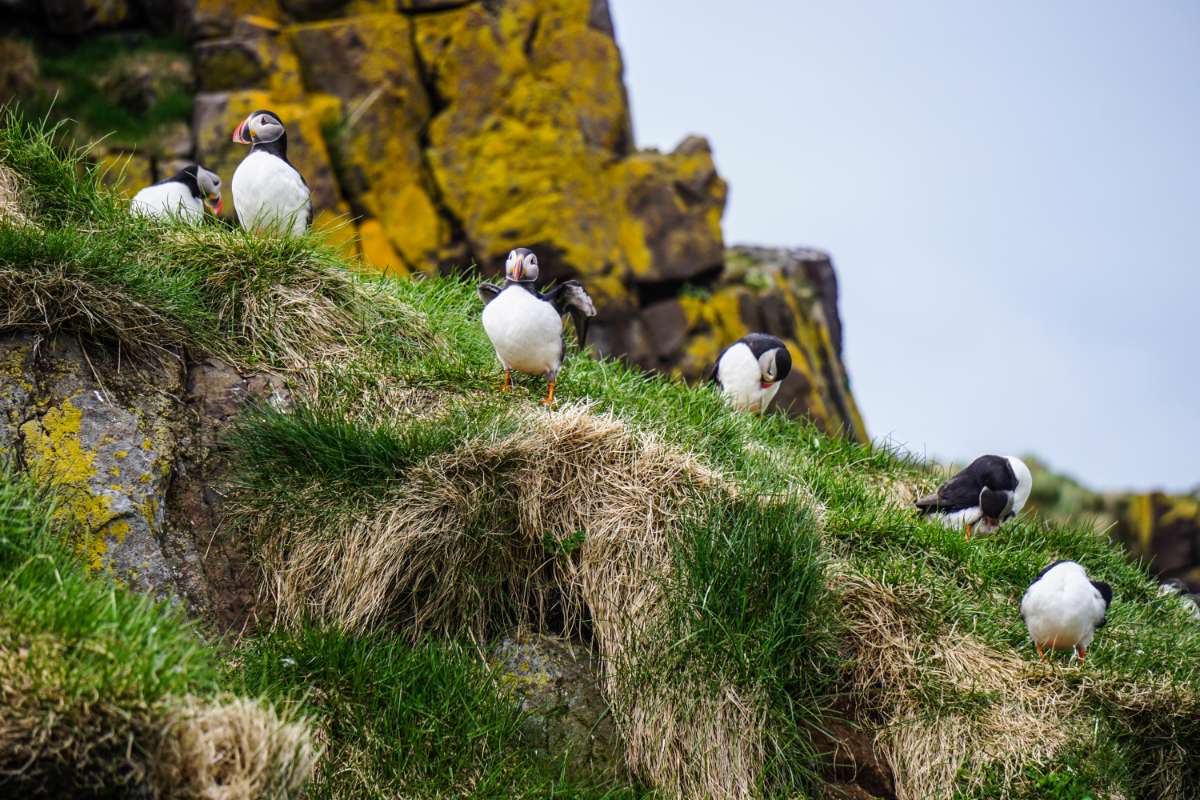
764,608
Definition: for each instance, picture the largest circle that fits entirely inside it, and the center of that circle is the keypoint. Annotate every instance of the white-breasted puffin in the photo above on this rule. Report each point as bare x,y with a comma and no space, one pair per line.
750,370
526,326
268,192
183,196
1063,607
985,495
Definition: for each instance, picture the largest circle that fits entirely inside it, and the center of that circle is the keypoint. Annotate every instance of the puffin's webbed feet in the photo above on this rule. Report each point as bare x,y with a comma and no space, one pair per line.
507,385
970,530
548,400
1041,652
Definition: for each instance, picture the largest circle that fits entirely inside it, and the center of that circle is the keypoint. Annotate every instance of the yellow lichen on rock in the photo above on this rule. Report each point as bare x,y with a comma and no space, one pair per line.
55,453
377,251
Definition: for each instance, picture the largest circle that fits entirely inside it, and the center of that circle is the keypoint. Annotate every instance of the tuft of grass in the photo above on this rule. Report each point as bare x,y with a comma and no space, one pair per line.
104,692
420,719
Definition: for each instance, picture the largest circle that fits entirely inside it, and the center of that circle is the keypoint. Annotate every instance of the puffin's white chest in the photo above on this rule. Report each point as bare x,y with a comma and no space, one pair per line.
269,194
526,331
166,200
1062,610
741,380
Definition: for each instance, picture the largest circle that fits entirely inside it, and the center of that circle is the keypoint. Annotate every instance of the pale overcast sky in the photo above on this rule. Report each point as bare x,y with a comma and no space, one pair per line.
1010,191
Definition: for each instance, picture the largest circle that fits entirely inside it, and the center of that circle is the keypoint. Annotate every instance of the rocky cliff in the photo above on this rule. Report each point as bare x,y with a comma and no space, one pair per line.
439,135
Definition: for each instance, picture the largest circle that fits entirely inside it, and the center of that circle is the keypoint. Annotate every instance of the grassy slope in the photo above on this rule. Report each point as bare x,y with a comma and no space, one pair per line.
784,594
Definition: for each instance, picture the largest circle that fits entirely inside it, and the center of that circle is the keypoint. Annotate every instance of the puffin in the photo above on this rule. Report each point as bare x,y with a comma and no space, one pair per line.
750,370
985,495
1063,608
526,326
268,192
182,196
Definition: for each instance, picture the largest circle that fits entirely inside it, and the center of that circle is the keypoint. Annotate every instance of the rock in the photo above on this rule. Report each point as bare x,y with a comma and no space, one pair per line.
377,251
107,444
1164,531
213,18
214,394
557,684
369,63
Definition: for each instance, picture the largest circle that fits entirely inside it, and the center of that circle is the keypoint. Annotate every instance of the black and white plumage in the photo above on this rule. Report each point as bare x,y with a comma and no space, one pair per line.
526,326
1063,608
750,370
985,495
182,196
269,194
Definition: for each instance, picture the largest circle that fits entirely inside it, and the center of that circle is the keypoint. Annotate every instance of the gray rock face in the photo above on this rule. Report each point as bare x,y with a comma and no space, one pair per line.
134,451
557,683
105,438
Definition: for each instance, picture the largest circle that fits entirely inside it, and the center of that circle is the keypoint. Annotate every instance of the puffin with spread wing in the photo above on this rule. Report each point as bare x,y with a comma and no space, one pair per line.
526,326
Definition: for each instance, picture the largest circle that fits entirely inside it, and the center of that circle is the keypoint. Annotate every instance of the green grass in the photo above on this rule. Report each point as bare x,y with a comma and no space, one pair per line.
421,720
93,662
386,375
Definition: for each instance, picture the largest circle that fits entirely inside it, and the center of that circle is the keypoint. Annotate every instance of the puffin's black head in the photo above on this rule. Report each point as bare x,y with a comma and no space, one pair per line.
204,184
996,506
260,127
775,364
521,266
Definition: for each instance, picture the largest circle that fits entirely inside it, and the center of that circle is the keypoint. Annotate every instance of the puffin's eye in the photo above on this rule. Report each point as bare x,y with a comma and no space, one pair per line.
532,260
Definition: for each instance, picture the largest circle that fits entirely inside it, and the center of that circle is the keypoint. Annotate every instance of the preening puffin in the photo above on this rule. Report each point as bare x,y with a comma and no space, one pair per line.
750,370
1062,608
985,495
526,326
268,192
183,196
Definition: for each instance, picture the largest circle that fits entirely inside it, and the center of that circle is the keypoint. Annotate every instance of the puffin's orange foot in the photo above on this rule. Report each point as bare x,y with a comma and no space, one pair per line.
507,385
1082,653
970,530
548,400
1041,652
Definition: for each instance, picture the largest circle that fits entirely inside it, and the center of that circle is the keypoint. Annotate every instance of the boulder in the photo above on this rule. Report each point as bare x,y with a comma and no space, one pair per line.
214,18
557,683
107,445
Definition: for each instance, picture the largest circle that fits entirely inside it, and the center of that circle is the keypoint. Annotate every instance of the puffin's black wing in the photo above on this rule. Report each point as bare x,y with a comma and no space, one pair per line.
571,297
489,292
962,491
1106,592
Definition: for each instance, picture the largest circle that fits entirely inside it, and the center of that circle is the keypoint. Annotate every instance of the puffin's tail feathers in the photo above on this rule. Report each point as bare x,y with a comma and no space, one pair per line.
927,503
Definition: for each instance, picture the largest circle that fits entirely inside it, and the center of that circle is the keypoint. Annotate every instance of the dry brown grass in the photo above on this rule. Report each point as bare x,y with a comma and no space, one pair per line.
10,197
234,749
468,540
1032,718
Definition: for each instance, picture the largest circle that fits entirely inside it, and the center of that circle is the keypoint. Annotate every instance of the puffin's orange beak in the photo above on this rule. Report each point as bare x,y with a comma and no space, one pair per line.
519,268
767,384
219,207
239,133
